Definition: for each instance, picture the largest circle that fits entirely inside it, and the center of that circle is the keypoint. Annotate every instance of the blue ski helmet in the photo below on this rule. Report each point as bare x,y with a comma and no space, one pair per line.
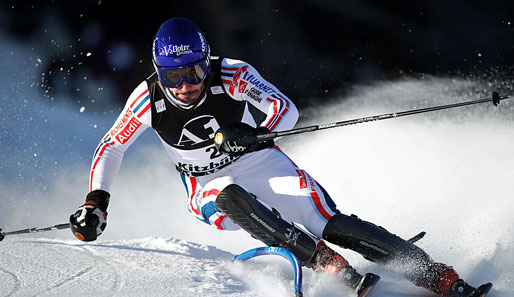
180,53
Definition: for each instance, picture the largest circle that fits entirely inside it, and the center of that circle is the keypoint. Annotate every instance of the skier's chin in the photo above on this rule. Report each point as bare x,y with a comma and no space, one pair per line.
188,97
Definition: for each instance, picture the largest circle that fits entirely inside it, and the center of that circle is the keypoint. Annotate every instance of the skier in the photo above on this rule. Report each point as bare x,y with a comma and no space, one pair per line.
208,112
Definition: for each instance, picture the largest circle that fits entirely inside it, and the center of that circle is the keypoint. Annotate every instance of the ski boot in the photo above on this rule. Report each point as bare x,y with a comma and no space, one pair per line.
328,260
462,289
443,280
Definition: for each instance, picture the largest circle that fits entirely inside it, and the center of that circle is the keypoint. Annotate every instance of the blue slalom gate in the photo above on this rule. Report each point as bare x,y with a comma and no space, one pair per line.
261,251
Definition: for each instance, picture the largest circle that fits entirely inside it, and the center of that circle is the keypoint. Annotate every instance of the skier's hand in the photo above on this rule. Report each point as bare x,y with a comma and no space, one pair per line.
90,220
237,139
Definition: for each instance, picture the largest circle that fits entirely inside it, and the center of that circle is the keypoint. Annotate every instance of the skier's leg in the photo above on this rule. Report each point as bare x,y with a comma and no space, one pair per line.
280,184
266,225
378,245
202,196
300,198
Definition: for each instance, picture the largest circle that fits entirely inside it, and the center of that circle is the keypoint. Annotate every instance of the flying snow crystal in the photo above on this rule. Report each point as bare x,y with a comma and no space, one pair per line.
82,109
88,54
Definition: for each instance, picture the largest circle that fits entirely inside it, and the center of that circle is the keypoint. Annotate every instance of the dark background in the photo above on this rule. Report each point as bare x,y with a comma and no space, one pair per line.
311,50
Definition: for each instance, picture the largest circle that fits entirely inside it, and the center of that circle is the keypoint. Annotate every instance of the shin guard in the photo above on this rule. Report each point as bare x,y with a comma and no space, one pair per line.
376,244
263,224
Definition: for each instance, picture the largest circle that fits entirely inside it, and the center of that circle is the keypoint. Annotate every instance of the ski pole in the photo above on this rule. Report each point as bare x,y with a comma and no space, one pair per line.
495,99
35,229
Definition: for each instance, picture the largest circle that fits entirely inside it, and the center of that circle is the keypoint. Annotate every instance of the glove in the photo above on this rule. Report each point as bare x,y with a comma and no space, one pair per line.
237,139
90,220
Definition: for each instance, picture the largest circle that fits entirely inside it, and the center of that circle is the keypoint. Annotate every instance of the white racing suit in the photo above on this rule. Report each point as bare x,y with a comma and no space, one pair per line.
234,92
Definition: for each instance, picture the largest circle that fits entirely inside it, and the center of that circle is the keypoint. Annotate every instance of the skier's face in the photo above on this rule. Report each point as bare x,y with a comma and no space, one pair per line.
187,92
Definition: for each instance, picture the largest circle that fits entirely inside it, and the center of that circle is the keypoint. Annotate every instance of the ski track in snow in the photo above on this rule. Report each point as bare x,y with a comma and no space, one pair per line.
12,282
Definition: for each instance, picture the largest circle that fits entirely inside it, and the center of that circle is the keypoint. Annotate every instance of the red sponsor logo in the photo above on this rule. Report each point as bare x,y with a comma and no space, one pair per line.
235,79
242,86
128,131
303,180
313,185
121,123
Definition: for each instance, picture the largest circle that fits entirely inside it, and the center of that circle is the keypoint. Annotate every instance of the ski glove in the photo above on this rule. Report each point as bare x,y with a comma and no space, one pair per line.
237,139
90,220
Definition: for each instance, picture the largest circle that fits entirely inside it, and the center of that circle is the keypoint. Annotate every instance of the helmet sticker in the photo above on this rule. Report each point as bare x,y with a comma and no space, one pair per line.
175,50
202,40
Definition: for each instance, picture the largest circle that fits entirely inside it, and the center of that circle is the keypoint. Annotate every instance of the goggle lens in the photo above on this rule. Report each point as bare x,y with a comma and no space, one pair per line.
194,75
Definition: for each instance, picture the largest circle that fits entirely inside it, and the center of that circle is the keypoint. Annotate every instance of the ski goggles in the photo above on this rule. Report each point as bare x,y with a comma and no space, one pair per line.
174,77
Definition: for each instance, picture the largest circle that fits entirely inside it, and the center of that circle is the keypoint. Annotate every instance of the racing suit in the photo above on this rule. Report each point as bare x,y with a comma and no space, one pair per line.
234,92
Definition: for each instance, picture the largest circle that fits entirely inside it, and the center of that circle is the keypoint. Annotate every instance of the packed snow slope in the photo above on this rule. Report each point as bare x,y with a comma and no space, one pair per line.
448,173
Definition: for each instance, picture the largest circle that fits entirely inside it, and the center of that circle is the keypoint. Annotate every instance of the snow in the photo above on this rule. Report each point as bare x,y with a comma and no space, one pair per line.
447,173
147,266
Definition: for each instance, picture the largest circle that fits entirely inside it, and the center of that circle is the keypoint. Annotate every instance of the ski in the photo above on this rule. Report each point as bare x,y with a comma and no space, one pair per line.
482,291
367,284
